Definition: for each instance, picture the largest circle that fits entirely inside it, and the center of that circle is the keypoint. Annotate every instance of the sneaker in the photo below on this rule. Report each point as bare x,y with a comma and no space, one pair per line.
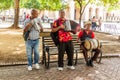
60,68
71,67
87,63
29,68
37,66
91,63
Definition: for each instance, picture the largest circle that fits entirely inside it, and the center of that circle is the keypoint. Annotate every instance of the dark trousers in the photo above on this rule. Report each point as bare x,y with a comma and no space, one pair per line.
68,47
85,53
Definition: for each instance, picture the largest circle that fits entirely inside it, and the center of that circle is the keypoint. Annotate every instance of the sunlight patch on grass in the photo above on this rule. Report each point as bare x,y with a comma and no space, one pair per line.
11,32
17,52
21,45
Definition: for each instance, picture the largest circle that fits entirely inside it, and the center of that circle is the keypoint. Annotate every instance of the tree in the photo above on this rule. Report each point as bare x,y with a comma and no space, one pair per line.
44,4
16,16
111,4
32,4
5,4
82,5
37,4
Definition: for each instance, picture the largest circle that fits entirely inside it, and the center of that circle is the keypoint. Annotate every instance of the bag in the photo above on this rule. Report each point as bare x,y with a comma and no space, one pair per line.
26,35
55,38
54,35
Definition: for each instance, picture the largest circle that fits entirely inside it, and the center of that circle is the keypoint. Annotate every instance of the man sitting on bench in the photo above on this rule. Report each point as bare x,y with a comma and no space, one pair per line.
87,33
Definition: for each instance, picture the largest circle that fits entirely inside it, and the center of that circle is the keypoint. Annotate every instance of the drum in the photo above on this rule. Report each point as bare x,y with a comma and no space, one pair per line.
71,26
90,44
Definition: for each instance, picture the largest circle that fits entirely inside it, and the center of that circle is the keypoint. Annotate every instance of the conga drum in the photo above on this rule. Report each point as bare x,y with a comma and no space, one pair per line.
71,26
90,44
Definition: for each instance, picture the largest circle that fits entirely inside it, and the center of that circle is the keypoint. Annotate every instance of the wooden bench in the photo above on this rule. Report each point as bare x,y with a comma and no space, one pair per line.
50,49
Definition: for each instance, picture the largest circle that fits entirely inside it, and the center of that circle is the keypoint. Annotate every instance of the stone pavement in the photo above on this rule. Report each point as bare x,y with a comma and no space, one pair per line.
109,69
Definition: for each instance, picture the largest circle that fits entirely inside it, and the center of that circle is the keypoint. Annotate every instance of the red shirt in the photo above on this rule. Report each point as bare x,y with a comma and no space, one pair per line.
81,34
63,35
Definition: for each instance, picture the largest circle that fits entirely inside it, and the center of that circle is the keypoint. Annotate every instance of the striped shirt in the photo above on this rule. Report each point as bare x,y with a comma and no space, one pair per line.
34,29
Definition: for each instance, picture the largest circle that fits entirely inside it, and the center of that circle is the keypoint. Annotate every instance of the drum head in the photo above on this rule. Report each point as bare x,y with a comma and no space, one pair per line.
87,44
95,43
98,43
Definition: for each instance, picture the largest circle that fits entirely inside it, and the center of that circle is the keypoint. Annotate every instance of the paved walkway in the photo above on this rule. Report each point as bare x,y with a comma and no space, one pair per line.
108,70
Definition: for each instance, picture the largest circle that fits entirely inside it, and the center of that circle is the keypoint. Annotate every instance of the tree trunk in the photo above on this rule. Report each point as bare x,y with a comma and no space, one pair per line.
16,16
119,38
82,9
80,18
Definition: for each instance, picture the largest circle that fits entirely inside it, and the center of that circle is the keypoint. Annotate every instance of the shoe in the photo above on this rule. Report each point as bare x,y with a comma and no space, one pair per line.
71,67
37,66
60,68
87,63
91,63
29,68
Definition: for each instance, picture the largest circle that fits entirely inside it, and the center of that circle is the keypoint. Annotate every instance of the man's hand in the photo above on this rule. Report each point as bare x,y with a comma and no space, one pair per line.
62,26
27,27
57,28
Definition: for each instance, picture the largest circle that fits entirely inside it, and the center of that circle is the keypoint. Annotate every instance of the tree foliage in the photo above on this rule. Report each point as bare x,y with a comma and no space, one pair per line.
81,4
111,4
44,4
37,4
5,4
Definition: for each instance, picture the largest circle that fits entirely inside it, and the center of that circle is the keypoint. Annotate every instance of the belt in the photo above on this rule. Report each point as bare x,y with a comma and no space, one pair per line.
34,39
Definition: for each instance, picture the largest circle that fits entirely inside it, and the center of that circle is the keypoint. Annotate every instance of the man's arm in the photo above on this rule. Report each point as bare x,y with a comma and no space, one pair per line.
93,35
56,28
41,27
79,36
27,26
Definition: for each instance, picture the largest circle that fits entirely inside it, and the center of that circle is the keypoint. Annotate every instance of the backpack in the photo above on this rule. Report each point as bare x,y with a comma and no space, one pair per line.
54,35
26,35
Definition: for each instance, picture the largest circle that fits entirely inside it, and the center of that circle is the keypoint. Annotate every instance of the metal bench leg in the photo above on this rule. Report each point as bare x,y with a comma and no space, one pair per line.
76,57
99,57
43,57
48,61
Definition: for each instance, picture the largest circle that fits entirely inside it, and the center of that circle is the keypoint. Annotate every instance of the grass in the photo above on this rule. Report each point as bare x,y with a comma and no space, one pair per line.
12,45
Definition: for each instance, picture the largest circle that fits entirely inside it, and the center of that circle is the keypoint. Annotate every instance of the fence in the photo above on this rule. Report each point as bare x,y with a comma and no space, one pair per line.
113,28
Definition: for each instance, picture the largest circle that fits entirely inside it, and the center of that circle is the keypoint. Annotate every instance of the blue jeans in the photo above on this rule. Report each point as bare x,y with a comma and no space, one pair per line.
32,46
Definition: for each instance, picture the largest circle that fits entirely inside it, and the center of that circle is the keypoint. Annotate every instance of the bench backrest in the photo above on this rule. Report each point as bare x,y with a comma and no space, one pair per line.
47,41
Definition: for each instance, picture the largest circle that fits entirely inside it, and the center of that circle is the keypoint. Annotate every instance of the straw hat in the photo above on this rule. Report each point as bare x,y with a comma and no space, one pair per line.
87,22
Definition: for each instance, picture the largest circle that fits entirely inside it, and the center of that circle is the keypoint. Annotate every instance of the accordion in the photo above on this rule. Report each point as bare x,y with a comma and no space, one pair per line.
71,26
35,22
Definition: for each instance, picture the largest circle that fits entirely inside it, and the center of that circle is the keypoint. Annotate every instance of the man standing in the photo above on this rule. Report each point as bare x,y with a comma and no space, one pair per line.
32,43
65,42
94,25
